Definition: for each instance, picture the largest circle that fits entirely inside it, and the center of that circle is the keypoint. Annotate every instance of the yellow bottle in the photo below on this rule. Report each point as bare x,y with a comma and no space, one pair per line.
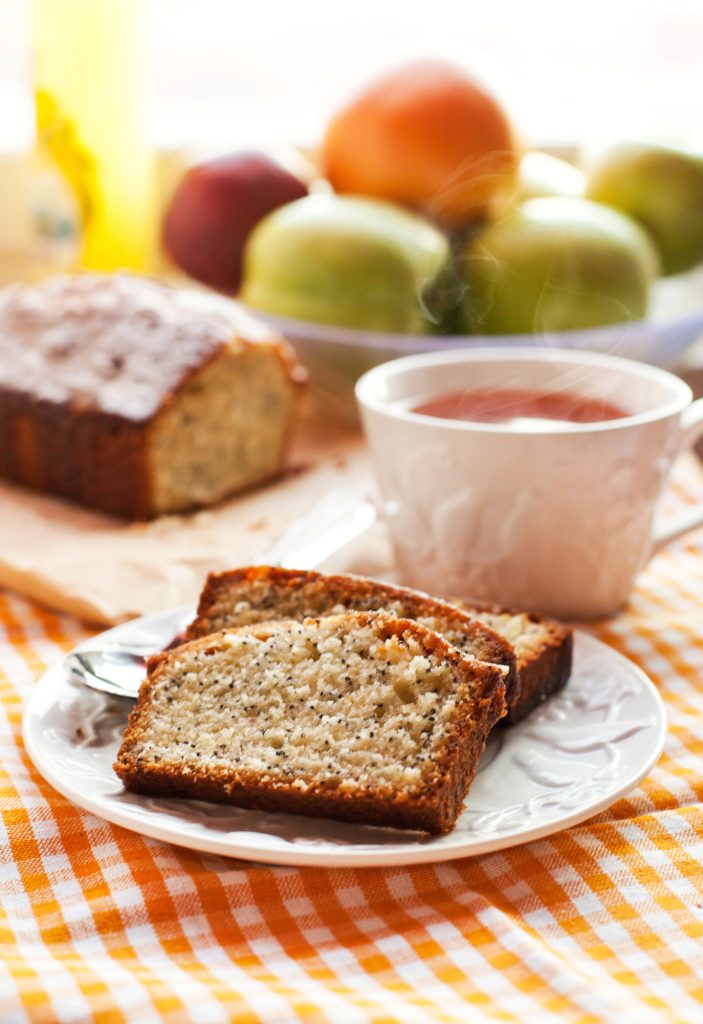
94,201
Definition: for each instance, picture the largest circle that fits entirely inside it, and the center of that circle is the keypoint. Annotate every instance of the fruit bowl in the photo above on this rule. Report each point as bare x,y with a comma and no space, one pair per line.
337,356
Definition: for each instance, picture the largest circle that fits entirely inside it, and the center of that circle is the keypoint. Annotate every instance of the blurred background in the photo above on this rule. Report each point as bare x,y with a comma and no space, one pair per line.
153,86
219,73
210,76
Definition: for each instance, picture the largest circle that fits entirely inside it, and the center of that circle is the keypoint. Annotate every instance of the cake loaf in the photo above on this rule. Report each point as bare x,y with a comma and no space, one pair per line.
259,593
136,398
358,716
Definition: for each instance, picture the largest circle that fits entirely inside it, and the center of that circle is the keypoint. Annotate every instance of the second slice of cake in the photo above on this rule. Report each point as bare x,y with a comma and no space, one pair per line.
360,716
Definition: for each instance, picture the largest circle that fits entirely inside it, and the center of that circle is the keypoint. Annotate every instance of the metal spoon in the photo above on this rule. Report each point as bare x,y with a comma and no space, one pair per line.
118,671
331,524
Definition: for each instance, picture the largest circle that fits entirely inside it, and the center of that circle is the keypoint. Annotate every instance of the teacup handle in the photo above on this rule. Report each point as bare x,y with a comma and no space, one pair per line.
692,428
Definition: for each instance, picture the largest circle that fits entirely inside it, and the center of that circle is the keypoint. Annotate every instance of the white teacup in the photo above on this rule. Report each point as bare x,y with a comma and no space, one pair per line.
558,518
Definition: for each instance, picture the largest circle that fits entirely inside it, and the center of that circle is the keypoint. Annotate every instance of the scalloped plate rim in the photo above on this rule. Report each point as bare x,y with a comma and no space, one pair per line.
48,692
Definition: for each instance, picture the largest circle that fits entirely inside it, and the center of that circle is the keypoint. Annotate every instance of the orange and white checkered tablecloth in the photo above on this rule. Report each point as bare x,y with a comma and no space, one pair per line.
603,922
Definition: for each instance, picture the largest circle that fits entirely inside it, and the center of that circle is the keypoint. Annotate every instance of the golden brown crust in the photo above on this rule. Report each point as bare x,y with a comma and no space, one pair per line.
543,664
297,593
93,458
479,704
545,674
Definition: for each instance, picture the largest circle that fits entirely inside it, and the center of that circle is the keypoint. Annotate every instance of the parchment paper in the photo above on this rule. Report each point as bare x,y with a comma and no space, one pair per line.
106,571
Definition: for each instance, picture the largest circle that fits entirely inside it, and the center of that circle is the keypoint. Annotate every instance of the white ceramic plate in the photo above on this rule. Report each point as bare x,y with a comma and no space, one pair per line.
571,758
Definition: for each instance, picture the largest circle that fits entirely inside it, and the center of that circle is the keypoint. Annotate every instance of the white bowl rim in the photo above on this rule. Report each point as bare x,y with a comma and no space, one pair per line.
366,387
392,340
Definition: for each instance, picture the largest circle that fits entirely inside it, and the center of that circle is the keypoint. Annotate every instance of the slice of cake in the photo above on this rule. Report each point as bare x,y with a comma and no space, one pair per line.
543,649
358,716
260,593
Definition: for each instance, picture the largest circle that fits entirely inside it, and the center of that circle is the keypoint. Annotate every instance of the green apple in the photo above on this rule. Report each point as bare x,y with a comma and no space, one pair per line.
347,261
541,175
662,189
557,264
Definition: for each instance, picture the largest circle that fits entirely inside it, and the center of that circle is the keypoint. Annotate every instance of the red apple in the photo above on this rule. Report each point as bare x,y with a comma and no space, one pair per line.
215,207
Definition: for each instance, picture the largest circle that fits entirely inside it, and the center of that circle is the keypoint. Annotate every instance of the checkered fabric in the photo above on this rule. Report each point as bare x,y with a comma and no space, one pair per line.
603,922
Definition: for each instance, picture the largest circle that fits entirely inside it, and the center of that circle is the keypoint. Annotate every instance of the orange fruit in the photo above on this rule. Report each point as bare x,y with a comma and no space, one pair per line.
426,136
